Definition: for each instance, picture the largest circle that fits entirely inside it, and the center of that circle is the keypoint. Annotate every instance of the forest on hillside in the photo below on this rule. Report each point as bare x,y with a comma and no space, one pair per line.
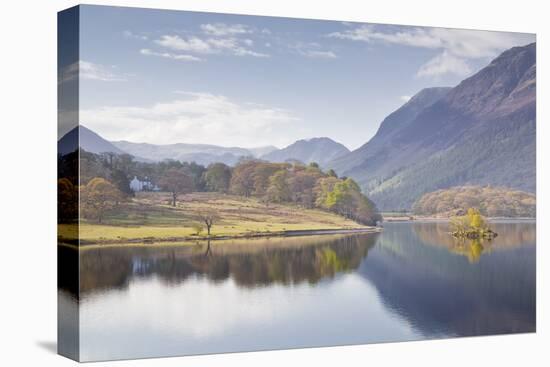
490,201
105,181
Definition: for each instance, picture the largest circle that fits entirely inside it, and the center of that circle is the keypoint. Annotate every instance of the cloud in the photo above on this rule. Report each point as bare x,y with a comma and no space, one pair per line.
320,54
86,70
232,46
195,118
445,63
130,34
405,98
91,71
456,46
222,29
313,50
168,55
192,44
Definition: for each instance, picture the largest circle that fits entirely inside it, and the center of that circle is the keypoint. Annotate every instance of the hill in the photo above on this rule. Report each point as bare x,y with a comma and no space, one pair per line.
491,201
478,133
147,216
199,153
319,150
87,140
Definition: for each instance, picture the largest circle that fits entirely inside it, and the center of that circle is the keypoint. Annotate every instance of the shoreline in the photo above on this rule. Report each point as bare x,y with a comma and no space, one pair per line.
413,218
152,241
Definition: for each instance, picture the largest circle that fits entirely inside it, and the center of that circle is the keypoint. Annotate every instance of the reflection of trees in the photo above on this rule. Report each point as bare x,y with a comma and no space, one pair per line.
249,263
511,235
472,249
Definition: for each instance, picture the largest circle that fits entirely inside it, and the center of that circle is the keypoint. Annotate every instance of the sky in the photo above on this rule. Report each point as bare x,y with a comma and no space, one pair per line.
165,77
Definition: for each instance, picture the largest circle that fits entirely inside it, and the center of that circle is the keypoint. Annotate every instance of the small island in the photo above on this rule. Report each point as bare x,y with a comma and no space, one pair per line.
472,226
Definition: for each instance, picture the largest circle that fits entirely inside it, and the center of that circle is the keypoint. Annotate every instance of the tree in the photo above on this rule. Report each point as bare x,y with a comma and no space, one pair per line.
322,189
302,184
176,182
97,197
332,173
218,177
366,211
472,226
278,190
197,172
120,180
208,217
490,201
262,172
242,179
475,219
67,200
314,165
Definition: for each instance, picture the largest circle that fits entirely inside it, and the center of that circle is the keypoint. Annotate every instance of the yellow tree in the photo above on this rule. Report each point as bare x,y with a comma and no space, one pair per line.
97,197
475,219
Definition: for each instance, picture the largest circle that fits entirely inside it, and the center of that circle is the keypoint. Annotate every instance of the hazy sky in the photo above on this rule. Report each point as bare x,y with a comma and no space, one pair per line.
164,77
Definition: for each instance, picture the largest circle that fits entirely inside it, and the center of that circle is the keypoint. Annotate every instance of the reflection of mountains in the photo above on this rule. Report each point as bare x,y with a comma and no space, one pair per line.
443,294
249,263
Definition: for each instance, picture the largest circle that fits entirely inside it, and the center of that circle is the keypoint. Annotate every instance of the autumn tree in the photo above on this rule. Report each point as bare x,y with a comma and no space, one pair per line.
242,179
490,201
97,197
176,182
472,226
67,200
302,187
218,177
322,189
278,190
262,172
341,198
475,219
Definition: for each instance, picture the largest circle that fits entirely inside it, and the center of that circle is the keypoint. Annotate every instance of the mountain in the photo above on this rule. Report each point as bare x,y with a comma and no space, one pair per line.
480,132
87,139
258,152
199,153
320,150
379,147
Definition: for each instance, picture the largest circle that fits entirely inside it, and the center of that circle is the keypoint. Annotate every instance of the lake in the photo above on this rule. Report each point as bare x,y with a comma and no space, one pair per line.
412,281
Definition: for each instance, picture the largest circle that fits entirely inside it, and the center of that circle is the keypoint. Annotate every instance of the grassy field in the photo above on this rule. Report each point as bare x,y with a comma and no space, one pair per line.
149,216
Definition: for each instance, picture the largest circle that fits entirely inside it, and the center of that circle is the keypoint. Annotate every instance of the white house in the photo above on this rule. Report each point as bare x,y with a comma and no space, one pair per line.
137,185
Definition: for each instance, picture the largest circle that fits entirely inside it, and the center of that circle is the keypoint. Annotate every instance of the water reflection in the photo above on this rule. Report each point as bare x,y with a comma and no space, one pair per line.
250,263
410,282
488,289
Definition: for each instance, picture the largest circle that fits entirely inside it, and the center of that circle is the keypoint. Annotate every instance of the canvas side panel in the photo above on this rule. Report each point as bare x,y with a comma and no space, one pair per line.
67,183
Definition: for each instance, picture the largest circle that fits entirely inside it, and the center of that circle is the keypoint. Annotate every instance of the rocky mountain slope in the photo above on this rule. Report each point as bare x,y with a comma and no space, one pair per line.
479,132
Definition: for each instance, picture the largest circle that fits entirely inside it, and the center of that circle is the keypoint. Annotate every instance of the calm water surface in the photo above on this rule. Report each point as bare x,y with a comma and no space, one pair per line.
413,281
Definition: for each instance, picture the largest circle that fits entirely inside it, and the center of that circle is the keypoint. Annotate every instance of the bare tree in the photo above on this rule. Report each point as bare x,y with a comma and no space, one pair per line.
209,217
176,182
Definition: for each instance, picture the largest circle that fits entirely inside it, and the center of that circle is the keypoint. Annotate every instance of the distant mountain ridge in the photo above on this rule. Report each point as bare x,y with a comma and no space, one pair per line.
87,140
479,132
320,150
203,154
199,153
